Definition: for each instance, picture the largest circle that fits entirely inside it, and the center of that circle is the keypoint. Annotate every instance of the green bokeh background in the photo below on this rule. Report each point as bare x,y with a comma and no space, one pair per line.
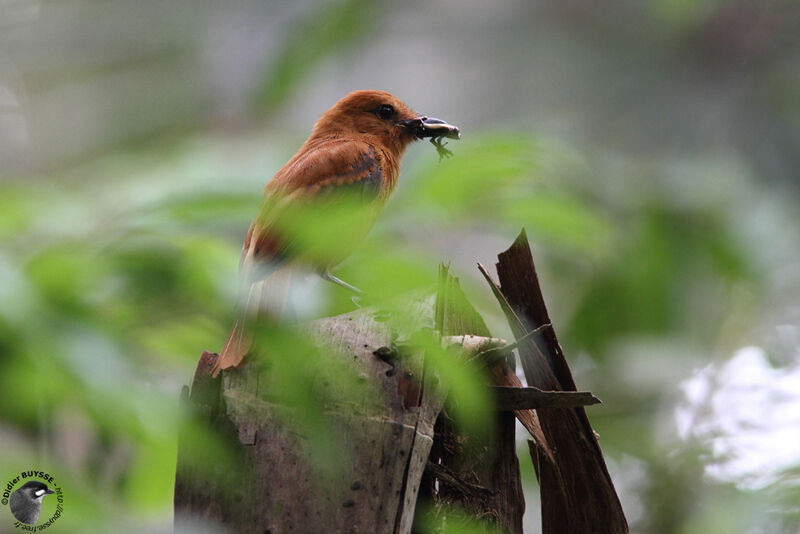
648,148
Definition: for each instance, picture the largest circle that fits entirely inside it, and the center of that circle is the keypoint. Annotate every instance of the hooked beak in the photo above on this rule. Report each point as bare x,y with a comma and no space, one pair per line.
421,127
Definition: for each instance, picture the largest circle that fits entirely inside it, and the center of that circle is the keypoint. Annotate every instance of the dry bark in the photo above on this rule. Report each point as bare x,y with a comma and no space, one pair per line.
400,453
482,472
274,485
576,490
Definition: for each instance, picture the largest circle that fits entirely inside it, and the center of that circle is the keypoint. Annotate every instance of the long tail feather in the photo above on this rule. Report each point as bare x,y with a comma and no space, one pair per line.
235,349
265,298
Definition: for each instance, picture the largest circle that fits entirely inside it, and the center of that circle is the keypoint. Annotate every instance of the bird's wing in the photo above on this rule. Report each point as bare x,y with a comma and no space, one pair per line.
331,161
304,195
301,194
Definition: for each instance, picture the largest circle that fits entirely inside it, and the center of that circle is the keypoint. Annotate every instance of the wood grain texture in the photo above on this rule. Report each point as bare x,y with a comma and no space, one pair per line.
474,462
578,495
515,398
397,447
276,486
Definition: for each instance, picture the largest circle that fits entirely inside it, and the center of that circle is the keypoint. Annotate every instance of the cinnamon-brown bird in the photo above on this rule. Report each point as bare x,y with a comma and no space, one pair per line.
350,163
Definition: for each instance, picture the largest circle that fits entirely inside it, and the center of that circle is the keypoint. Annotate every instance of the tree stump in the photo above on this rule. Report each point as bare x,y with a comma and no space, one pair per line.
398,460
385,441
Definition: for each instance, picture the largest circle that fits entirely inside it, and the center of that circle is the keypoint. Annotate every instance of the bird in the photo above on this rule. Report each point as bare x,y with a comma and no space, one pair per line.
26,502
323,201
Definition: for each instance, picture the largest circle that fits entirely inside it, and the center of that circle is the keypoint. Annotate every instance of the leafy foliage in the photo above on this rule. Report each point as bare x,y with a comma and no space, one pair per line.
120,240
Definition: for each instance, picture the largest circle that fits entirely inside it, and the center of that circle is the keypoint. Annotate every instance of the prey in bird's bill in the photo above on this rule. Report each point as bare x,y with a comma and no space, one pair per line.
440,148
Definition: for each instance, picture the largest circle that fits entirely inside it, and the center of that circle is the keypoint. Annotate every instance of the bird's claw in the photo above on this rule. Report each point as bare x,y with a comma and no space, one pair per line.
339,282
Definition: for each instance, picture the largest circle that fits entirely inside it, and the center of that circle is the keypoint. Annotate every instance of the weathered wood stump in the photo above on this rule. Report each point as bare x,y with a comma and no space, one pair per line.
384,439
393,452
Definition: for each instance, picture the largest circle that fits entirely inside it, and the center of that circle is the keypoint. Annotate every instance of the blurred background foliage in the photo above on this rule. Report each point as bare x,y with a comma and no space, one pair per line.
649,148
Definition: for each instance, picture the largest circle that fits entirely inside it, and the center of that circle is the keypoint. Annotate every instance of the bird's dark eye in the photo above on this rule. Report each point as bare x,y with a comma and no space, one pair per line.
385,112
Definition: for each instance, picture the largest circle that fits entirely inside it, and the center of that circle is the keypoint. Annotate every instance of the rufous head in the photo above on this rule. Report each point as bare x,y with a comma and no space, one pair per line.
382,117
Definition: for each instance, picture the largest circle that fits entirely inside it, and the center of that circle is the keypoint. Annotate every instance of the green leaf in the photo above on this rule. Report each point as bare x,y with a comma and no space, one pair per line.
319,34
564,220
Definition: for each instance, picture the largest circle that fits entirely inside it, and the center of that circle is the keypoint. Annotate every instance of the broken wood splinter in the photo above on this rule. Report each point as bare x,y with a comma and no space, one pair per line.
509,398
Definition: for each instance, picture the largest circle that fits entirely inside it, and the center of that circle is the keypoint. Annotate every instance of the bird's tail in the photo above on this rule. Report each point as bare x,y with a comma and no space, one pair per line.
265,299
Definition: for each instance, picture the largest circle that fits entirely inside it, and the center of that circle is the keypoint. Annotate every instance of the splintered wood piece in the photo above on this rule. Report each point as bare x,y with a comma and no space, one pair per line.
462,465
514,398
471,346
577,492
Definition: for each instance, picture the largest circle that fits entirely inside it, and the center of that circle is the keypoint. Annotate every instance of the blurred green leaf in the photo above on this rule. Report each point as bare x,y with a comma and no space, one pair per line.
151,477
120,249
384,273
683,14
563,220
66,275
468,399
646,281
452,520
16,206
474,182
301,377
200,208
316,36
